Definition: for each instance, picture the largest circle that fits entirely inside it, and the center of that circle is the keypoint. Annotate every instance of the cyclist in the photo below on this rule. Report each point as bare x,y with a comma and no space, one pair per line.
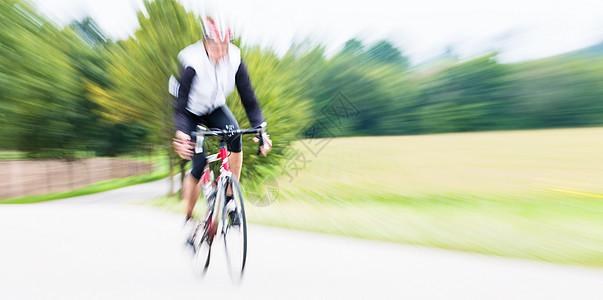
212,68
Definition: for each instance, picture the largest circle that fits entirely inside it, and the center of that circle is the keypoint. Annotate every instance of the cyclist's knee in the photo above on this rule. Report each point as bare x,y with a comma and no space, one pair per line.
196,174
198,166
235,144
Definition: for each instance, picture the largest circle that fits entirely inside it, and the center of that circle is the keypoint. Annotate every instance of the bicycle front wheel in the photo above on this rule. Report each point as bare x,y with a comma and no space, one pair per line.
235,229
202,248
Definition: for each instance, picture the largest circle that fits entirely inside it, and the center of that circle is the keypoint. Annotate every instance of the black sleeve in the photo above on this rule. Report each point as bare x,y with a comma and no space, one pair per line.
180,114
252,108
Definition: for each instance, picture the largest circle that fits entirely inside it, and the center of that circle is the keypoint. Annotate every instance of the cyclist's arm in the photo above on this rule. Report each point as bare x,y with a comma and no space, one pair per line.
180,119
252,108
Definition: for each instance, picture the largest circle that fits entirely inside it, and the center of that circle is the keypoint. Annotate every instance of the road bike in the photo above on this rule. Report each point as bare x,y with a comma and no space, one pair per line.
225,214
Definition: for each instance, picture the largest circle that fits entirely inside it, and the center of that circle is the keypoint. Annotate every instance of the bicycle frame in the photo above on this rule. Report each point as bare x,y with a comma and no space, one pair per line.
217,207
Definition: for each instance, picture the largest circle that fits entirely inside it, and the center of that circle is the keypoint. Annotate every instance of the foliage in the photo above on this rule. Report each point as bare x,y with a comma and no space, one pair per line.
45,107
463,97
384,97
37,83
73,89
139,69
284,108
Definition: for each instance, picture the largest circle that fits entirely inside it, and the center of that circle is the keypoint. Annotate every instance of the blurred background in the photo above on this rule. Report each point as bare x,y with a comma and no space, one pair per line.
464,125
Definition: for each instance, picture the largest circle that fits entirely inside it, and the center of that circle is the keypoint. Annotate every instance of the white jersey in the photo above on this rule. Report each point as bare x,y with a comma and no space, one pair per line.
212,82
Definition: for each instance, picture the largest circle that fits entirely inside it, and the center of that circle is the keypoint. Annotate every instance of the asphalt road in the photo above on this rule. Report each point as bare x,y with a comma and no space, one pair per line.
104,246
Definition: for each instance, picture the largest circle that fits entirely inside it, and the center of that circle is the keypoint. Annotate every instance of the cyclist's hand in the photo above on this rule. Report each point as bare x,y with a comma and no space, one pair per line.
262,149
183,146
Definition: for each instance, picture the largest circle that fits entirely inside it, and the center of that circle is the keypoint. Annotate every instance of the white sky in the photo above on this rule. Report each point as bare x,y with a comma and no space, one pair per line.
519,29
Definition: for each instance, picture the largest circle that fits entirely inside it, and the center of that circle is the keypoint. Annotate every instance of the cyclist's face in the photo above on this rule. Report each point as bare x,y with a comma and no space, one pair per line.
216,50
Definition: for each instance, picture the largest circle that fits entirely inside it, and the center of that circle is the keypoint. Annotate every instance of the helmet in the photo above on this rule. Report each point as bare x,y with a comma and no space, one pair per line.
216,29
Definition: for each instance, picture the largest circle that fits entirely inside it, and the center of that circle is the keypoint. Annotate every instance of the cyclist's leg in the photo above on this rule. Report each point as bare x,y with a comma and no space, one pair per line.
219,118
191,187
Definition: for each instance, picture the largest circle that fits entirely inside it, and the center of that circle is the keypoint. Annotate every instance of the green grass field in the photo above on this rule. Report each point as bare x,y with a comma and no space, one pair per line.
527,194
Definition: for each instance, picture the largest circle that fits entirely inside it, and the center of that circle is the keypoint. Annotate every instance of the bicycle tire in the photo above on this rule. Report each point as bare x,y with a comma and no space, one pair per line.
235,236
202,252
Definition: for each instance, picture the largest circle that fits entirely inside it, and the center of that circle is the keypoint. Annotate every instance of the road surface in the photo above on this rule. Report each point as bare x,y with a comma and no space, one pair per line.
105,246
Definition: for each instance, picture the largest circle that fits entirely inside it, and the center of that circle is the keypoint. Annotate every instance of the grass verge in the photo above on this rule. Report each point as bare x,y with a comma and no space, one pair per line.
11,155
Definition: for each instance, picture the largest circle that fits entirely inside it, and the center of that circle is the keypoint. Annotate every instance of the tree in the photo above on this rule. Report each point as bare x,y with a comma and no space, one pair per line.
140,68
89,31
385,52
353,47
38,84
464,97
558,92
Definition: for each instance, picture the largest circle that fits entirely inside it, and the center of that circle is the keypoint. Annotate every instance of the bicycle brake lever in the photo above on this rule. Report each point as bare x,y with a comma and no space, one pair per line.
261,142
262,137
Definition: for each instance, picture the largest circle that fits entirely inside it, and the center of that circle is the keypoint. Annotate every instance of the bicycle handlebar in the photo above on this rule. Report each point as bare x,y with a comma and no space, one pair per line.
260,130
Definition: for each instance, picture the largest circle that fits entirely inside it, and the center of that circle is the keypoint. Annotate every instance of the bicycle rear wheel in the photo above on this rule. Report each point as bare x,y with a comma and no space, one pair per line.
235,230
